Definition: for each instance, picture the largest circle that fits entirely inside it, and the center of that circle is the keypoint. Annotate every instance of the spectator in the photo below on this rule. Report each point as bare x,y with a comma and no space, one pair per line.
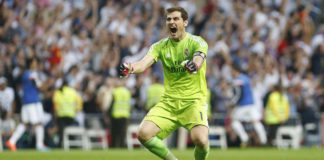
317,60
104,95
120,112
276,112
6,100
7,107
321,104
67,103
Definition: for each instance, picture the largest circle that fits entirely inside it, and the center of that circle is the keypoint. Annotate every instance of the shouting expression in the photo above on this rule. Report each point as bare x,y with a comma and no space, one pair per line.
176,25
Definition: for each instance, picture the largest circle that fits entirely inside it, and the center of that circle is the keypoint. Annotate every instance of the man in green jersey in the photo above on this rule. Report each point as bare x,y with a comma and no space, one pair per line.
184,101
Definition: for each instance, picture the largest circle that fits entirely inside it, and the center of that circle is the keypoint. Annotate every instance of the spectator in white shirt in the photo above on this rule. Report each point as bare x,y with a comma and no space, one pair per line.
6,99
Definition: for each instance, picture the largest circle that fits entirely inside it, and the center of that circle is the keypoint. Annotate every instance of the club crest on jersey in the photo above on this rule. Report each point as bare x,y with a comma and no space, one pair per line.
186,52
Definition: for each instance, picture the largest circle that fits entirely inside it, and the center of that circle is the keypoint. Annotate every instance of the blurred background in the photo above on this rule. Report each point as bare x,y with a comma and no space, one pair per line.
82,42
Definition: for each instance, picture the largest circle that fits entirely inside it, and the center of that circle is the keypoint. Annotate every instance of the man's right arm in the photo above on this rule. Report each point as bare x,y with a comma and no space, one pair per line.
140,66
136,67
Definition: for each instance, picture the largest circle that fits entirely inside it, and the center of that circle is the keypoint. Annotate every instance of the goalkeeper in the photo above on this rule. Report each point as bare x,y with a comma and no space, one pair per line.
184,101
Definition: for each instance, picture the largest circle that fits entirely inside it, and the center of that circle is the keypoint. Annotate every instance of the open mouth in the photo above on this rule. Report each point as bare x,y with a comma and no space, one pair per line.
173,29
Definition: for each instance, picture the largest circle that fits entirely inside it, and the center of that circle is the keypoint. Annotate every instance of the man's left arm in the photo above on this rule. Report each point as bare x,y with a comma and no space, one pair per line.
200,52
193,65
199,59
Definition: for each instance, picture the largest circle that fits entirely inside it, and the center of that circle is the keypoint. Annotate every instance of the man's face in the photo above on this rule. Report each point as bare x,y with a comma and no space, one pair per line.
34,65
176,25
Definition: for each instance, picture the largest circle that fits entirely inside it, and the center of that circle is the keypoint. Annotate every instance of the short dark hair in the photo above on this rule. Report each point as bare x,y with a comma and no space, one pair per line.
29,61
184,13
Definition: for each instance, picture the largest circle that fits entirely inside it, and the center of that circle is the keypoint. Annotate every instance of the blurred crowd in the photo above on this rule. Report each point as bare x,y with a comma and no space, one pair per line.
82,42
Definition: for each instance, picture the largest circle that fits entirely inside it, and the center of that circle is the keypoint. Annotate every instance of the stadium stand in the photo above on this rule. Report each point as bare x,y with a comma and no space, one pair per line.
84,42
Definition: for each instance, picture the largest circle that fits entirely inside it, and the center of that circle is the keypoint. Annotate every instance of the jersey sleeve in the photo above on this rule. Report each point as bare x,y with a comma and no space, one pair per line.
200,45
153,51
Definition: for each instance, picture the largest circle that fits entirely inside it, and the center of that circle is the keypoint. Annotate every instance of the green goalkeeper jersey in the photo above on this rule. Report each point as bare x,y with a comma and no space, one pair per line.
179,83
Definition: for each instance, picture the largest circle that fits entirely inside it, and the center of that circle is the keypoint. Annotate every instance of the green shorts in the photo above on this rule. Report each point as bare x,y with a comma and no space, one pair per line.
171,114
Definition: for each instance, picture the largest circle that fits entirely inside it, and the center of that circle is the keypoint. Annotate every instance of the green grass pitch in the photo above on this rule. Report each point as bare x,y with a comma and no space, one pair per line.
141,154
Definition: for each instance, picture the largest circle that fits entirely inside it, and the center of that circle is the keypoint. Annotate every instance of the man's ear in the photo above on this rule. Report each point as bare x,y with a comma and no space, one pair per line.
185,23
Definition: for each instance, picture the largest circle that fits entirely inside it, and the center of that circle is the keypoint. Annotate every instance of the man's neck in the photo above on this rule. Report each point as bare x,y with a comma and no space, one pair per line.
181,37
